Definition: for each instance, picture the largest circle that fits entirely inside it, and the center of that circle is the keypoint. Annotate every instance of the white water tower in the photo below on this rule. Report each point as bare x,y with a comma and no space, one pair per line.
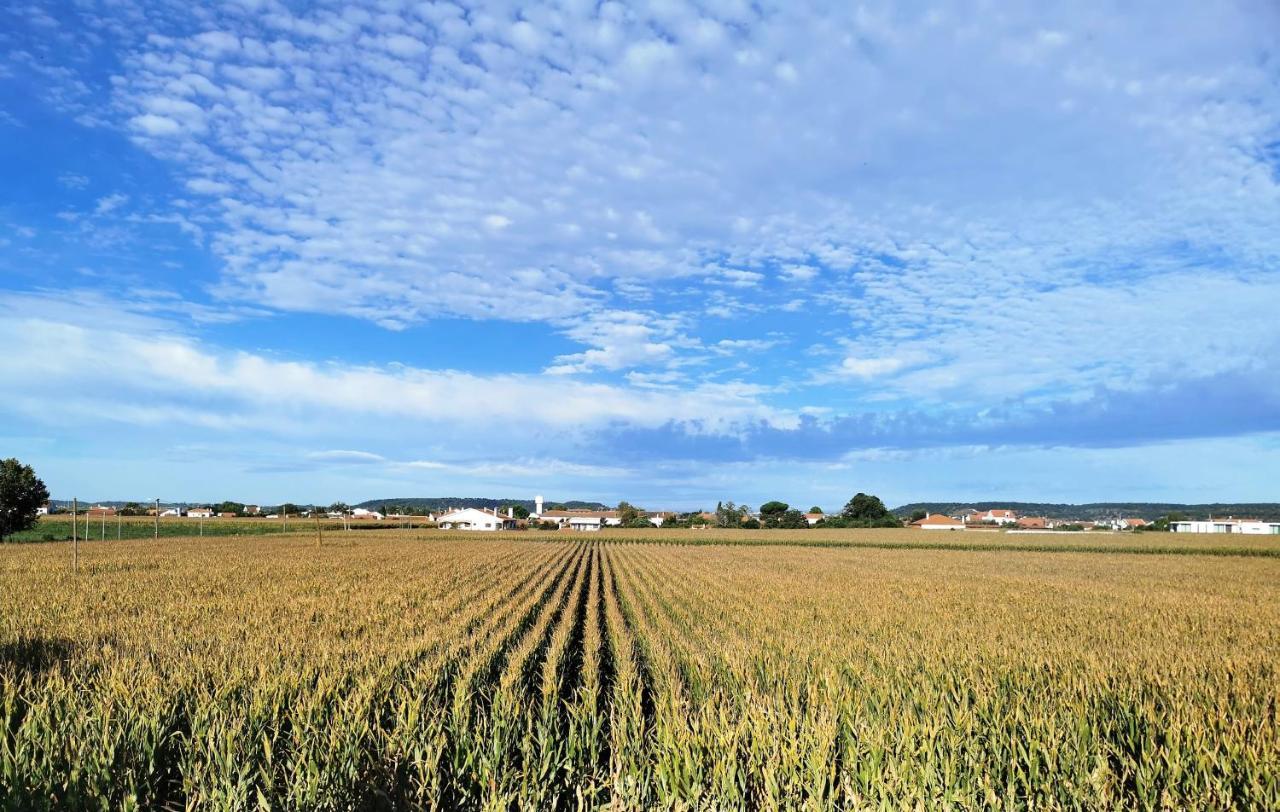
537,505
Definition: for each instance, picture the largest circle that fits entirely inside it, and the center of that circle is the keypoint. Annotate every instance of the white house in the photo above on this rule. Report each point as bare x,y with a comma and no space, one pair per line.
43,510
814,518
937,521
582,519
200,513
362,513
476,519
171,512
1250,527
997,515
1122,524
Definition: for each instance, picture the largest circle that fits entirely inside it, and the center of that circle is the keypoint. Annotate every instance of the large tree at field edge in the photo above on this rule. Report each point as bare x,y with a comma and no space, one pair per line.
21,494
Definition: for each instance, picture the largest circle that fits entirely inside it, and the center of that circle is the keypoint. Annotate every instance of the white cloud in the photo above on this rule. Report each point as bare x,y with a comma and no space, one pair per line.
108,204
152,124
870,367
935,188
138,369
72,180
206,186
345,457
404,46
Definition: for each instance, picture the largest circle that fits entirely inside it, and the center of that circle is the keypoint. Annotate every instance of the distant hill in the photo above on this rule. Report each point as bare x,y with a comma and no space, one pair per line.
1268,511
441,502
414,502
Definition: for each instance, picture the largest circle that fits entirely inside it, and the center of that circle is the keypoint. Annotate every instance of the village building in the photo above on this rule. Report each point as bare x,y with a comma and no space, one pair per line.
1250,527
1123,524
660,517
363,513
995,515
814,518
100,511
582,519
937,521
476,519
200,513
1033,523
43,510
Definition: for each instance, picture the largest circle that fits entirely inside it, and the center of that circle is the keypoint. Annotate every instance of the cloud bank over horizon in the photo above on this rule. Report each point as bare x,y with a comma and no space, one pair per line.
666,249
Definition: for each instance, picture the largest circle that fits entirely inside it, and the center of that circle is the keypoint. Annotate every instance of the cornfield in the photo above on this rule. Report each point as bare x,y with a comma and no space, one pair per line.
387,671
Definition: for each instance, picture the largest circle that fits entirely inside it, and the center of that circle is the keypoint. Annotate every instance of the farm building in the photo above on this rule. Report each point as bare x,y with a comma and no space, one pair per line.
1033,523
362,513
937,521
43,510
476,519
98,512
814,518
1250,527
200,513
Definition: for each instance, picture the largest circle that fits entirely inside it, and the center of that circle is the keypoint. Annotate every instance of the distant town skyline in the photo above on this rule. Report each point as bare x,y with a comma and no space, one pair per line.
670,253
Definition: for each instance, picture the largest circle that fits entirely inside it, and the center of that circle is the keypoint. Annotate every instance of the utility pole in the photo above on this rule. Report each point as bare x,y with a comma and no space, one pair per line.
284,512
157,520
119,522
75,536
102,534
319,531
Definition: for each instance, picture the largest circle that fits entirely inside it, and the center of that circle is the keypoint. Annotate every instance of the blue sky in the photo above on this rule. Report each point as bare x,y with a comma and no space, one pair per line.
670,252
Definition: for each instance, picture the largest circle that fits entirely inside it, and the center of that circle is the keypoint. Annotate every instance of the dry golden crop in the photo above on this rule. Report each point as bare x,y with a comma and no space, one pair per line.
389,669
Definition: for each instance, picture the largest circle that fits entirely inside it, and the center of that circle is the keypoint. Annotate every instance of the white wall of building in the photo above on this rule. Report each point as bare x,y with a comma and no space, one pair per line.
1248,528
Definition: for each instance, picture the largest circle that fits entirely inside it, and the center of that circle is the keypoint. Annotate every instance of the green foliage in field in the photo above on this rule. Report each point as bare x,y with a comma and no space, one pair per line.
21,495
58,527
446,672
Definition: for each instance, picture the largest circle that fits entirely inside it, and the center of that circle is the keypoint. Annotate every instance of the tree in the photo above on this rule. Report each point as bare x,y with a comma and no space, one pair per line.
289,509
230,507
520,511
773,508
21,495
628,513
791,520
918,514
815,509
339,507
730,515
865,510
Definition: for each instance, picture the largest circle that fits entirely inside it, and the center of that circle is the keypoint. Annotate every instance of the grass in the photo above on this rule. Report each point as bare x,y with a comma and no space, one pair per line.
58,527
391,669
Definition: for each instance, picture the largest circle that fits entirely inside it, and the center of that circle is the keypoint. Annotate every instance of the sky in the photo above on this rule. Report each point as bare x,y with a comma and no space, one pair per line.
669,252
